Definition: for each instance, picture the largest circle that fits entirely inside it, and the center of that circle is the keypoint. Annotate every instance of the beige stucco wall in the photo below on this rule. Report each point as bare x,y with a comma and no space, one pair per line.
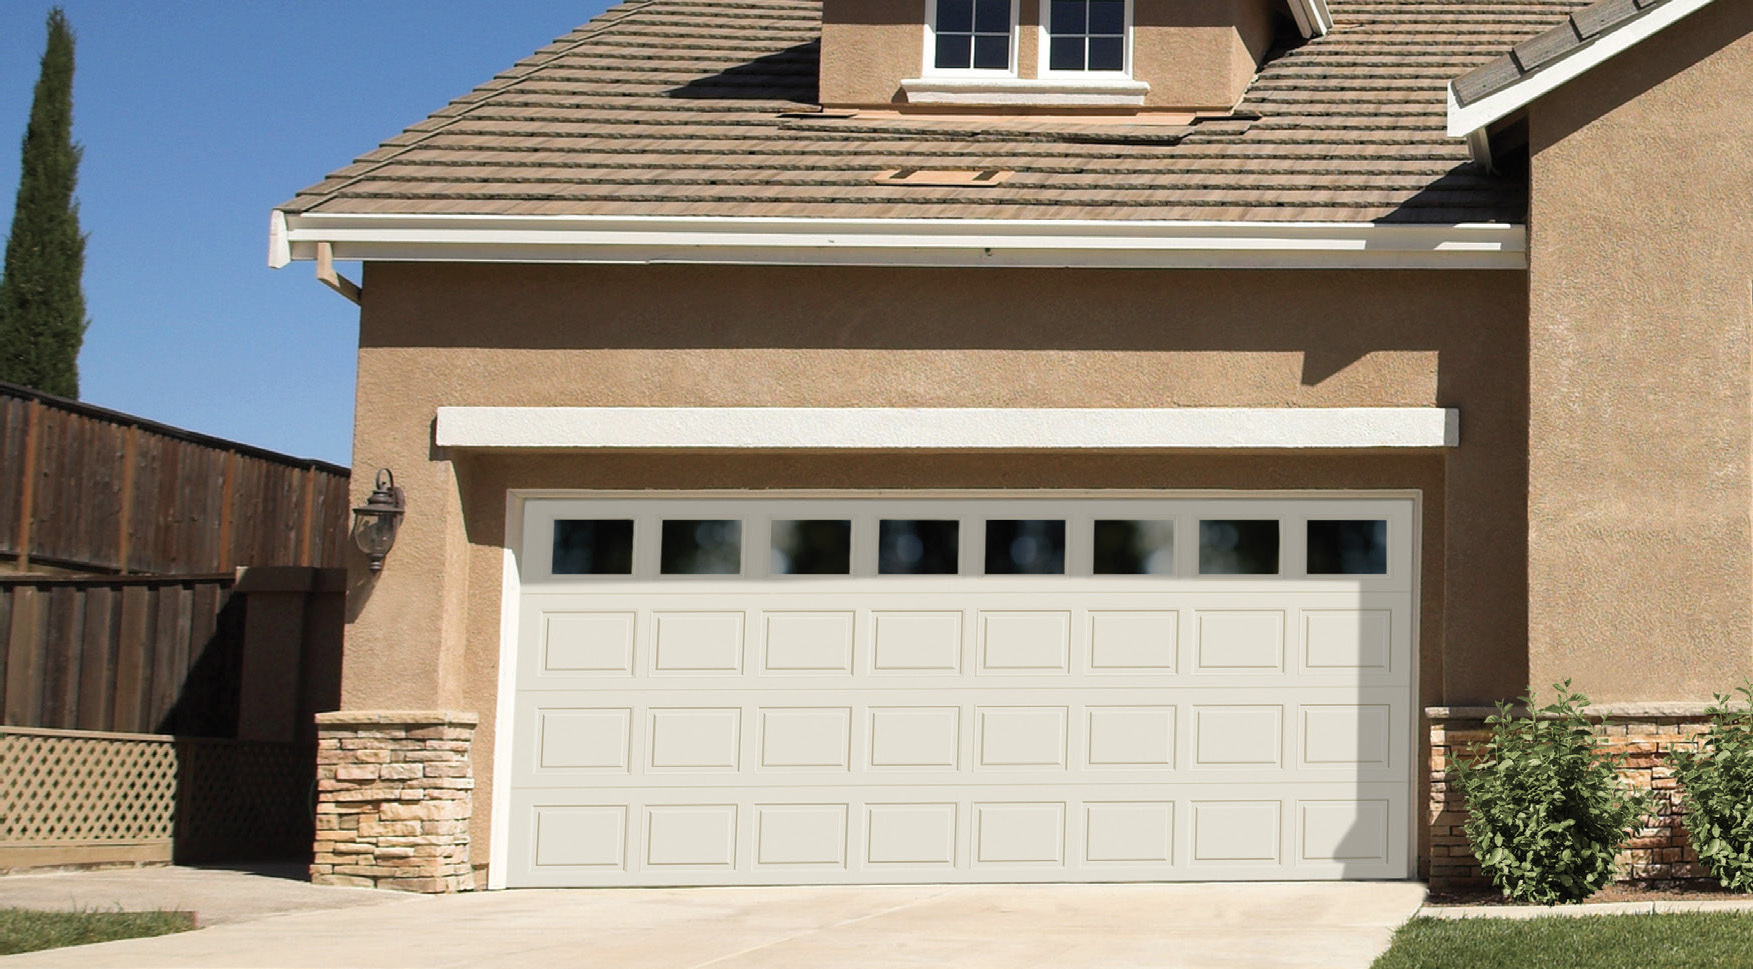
1195,54
1200,54
1641,561
425,633
868,48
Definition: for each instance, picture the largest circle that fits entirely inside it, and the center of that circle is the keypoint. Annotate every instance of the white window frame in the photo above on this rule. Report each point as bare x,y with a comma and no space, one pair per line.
1044,49
929,60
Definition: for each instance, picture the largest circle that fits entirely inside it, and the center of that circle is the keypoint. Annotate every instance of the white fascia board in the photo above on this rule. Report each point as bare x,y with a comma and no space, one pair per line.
279,247
1041,243
946,428
1311,16
1464,120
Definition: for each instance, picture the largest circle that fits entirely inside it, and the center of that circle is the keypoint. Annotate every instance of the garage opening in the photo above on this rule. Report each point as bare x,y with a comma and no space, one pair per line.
812,690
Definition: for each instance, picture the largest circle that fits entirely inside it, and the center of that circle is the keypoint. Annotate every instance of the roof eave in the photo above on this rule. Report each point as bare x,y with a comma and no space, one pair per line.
897,242
1312,17
1466,120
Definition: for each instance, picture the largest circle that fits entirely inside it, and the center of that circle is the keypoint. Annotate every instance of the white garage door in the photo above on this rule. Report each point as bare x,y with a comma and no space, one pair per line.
816,690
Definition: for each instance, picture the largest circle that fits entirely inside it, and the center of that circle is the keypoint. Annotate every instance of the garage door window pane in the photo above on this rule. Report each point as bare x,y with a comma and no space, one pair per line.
1026,547
702,547
594,546
812,548
1238,547
1348,547
1135,548
907,546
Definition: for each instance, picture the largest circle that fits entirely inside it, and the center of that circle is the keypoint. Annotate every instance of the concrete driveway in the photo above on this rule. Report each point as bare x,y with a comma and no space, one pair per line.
937,926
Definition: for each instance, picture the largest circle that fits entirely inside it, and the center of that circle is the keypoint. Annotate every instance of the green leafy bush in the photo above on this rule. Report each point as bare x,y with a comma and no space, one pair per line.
1718,781
1546,811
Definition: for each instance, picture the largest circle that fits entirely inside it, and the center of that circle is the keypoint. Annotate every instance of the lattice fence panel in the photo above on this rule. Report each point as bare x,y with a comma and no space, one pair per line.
244,801
66,790
213,800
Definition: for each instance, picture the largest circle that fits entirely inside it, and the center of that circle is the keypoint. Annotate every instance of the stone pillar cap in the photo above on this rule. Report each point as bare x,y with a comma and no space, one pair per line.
399,718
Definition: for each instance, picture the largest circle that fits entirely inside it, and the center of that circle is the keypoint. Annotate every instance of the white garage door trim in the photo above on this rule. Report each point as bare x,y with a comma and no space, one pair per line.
513,588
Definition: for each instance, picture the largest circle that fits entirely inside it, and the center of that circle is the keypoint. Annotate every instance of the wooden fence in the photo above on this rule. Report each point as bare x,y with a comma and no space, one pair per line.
88,489
255,654
159,718
135,655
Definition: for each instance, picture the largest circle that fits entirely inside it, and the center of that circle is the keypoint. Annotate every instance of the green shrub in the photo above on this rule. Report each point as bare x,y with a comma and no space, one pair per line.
1718,781
1546,811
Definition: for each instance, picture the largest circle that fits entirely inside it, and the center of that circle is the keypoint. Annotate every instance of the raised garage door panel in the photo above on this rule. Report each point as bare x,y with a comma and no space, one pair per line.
764,729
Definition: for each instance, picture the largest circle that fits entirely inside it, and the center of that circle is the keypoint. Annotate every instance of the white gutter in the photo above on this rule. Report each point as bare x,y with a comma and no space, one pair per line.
1312,18
897,242
1465,120
947,428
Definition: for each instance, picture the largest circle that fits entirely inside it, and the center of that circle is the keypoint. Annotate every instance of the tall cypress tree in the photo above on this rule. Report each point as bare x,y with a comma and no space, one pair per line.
42,303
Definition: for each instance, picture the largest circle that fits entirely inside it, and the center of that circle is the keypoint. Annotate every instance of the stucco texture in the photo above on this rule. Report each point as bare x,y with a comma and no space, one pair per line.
1641,546
1195,54
424,634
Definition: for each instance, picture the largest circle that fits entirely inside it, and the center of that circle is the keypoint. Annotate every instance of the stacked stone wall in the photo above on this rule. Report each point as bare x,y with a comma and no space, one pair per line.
394,798
1659,854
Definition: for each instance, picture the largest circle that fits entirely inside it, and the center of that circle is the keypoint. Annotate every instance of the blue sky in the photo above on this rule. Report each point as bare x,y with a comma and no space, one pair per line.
198,117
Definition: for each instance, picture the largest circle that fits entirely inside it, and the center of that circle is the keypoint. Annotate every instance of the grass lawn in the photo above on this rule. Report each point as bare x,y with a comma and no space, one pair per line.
22,930
1720,940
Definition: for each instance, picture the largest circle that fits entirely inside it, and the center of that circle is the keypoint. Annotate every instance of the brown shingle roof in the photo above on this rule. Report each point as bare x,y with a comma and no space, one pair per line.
691,107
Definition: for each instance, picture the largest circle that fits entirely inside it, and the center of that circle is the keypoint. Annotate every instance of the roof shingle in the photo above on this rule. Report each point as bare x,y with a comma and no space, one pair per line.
705,107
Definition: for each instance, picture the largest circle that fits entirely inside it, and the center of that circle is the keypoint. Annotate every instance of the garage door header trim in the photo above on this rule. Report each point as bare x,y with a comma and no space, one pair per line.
947,428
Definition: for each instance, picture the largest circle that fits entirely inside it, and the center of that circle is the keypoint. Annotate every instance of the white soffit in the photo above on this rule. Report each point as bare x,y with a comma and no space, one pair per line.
897,242
1466,119
947,428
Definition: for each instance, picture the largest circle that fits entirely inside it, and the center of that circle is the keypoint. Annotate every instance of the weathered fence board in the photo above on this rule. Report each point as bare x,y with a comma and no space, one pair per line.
138,654
89,489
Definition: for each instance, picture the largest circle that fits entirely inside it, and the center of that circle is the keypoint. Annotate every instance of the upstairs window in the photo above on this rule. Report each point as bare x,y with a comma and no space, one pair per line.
1085,35
972,35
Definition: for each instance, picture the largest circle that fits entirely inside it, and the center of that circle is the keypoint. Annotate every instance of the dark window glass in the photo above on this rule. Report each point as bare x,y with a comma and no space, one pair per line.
1065,54
1238,547
992,17
972,33
1068,17
955,16
1107,17
1348,547
1107,54
1025,547
812,548
917,547
1135,548
595,546
1087,35
991,53
695,547
953,50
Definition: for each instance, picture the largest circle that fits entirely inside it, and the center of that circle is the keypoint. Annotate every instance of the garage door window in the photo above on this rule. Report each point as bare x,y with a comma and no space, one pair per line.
1134,547
812,547
907,546
1348,547
1238,547
702,547
595,546
1026,547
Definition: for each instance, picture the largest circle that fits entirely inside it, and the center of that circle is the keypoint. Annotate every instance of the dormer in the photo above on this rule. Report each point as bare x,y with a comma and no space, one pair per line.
1052,55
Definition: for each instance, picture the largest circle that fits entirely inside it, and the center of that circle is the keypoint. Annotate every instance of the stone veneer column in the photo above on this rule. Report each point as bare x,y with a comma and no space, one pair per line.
394,796
1641,735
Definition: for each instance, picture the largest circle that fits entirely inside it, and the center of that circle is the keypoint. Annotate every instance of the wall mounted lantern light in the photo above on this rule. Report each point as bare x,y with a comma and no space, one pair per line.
376,521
